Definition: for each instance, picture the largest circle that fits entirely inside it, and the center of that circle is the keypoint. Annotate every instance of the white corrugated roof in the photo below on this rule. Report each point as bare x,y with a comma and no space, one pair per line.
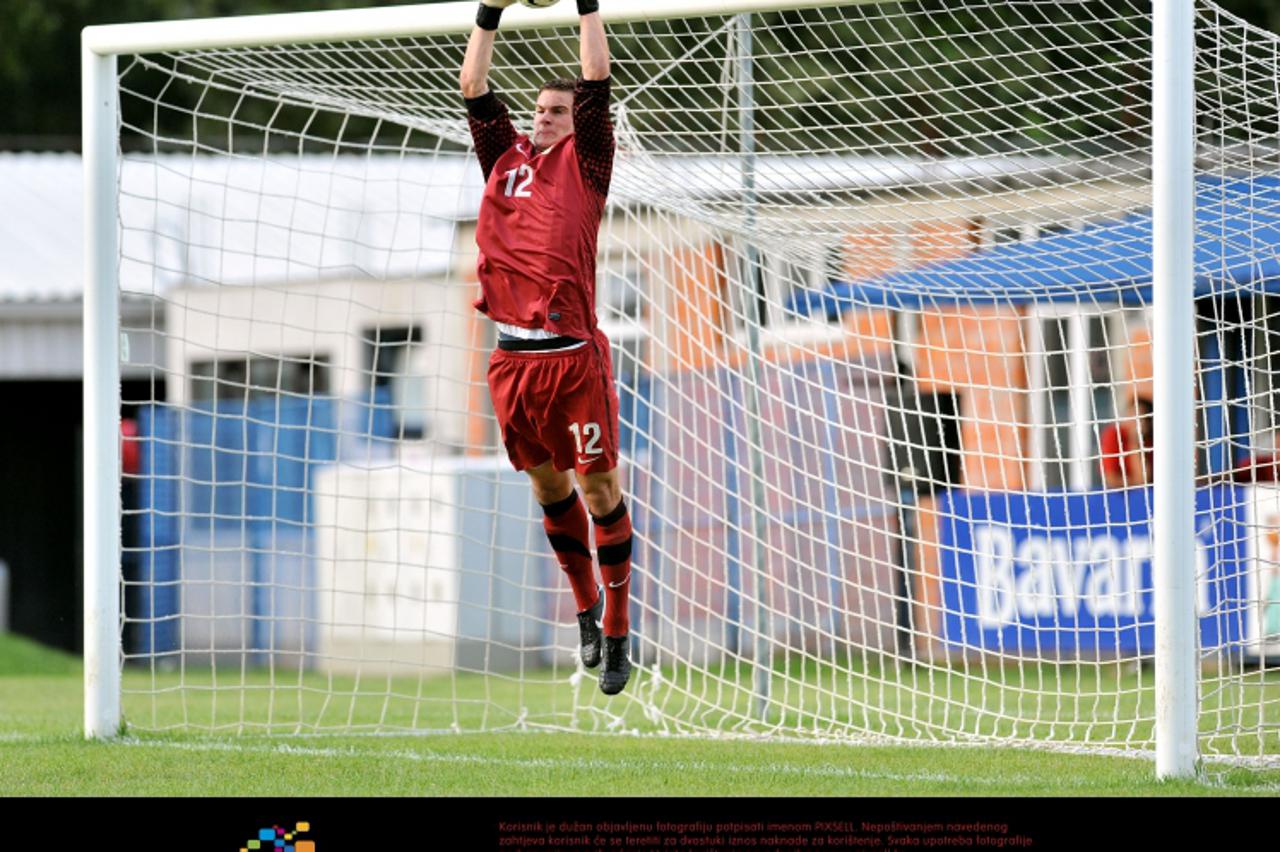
822,175
41,240
239,220
233,220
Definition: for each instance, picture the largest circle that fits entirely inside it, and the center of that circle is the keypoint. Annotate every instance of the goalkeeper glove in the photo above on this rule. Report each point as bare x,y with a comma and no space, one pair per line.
586,7
489,13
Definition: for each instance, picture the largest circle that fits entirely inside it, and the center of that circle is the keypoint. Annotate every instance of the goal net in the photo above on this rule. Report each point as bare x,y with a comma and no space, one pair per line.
877,278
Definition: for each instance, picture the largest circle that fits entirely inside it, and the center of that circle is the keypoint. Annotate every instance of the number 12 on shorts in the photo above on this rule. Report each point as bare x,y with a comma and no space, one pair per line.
585,438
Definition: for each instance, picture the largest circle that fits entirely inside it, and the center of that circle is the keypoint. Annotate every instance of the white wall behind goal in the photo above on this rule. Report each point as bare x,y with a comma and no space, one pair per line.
433,564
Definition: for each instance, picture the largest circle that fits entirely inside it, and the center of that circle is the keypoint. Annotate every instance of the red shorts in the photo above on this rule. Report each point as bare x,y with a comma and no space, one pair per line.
559,405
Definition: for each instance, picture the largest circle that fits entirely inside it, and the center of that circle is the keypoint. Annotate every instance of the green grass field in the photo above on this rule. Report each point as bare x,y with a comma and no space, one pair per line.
43,752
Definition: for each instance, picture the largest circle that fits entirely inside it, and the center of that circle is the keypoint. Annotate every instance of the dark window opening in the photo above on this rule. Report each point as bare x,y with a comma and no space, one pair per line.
257,377
396,379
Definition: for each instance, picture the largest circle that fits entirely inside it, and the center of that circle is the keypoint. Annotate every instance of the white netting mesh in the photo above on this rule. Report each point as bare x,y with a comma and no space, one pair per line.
879,301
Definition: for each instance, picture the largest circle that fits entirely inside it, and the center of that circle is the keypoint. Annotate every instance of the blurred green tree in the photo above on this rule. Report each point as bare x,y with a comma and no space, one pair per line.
40,68
40,54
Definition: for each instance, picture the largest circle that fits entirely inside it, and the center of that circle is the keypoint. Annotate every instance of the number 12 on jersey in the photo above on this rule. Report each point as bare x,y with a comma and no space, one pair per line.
521,191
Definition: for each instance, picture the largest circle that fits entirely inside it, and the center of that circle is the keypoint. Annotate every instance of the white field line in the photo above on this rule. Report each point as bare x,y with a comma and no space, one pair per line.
597,764
593,764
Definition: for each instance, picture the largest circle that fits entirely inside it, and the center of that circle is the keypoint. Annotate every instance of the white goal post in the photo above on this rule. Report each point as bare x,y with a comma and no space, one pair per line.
883,282
1173,521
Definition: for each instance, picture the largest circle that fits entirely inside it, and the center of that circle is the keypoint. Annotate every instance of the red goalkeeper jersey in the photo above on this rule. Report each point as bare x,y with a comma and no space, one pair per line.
540,215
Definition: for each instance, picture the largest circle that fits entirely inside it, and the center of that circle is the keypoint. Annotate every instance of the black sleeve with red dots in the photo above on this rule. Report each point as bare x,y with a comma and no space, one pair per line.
491,129
593,132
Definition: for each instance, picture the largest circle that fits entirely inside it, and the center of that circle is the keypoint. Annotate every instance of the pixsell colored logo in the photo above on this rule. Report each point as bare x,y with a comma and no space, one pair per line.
280,839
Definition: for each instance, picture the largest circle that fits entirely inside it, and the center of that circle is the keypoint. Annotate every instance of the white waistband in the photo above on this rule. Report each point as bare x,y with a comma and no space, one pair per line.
525,333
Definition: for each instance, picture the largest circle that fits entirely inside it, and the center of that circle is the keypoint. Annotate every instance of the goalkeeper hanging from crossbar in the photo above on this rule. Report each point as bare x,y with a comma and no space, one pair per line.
551,377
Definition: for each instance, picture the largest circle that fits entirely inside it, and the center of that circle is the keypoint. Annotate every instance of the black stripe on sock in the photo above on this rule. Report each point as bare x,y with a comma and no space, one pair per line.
618,513
561,543
614,554
558,508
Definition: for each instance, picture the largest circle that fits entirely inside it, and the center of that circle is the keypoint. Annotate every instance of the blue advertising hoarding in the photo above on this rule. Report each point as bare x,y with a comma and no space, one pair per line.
1059,573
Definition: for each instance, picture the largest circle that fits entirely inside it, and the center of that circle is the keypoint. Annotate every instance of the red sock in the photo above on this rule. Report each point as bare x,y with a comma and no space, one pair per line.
566,526
613,546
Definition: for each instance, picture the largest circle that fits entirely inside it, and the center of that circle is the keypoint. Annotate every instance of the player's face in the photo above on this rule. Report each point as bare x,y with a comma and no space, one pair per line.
552,118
